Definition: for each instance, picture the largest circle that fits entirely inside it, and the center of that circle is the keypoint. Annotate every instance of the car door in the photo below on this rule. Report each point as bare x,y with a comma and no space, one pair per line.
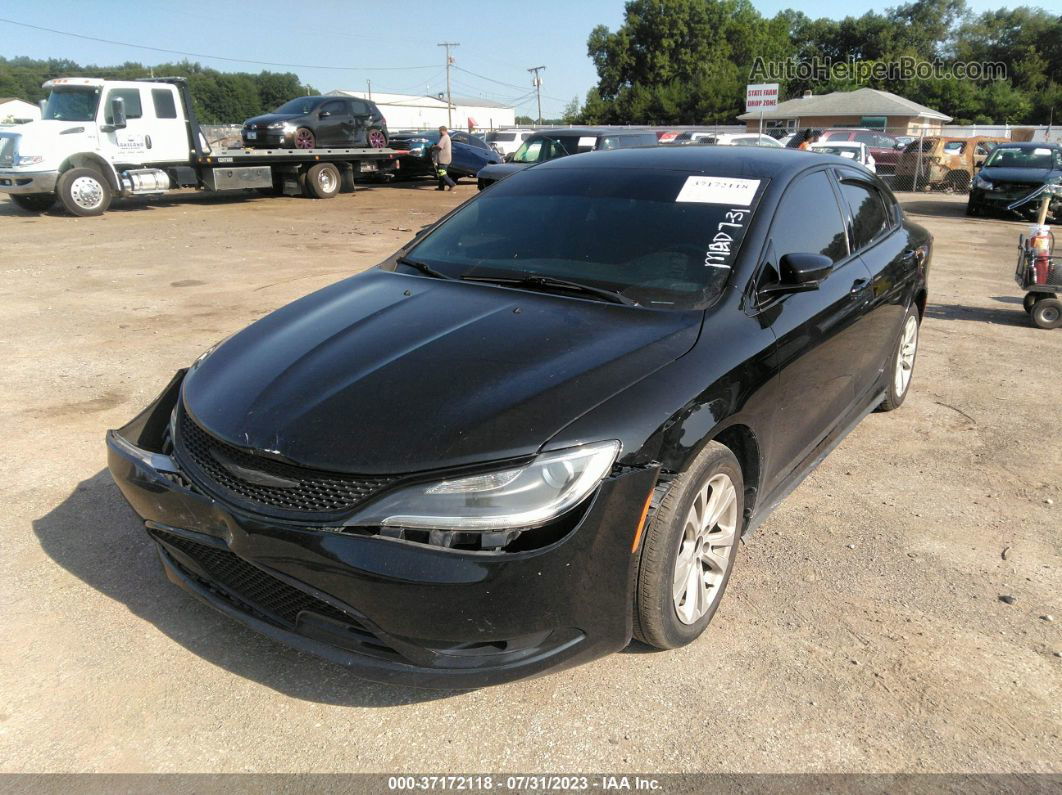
820,332
883,244
168,140
129,145
335,123
361,121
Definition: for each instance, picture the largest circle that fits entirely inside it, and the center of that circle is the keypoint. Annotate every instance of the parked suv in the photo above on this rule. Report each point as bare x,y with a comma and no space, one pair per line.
551,144
311,122
941,162
505,142
883,148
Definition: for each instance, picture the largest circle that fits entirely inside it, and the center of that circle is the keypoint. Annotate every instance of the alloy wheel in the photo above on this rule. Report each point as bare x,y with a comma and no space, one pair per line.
705,548
303,139
87,193
905,356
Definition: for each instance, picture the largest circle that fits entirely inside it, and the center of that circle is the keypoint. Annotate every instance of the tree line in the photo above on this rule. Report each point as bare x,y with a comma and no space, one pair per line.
218,97
688,61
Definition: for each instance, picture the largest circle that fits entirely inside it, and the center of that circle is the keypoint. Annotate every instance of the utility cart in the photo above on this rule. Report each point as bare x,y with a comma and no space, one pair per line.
1039,272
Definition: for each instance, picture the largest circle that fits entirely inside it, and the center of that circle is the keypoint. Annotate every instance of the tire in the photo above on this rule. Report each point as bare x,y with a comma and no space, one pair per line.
346,178
902,362
1047,313
84,192
672,609
304,139
33,202
972,210
1030,299
376,138
322,181
957,181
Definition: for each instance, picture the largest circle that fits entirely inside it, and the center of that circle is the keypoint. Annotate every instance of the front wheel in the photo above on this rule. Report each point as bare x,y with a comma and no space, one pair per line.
34,202
689,550
377,138
1047,313
903,362
84,192
304,139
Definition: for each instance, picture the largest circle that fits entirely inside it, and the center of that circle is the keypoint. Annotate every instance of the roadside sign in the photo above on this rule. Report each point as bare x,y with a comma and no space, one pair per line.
760,97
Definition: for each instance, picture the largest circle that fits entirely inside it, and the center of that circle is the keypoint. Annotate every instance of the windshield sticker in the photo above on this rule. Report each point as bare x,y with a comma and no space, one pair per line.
718,190
1039,151
728,233
587,141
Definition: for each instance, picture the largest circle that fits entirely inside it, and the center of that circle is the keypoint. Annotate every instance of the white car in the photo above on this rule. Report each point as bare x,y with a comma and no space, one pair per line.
853,150
727,139
505,142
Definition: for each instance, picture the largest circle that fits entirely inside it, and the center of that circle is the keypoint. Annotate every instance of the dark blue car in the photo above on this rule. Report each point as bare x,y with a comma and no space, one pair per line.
470,153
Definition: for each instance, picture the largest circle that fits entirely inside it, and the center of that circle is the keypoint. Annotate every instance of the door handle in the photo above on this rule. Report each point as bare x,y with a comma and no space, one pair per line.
147,141
858,285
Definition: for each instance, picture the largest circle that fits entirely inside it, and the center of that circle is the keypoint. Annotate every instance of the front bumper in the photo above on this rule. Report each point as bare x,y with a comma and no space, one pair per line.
269,139
392,610
12,181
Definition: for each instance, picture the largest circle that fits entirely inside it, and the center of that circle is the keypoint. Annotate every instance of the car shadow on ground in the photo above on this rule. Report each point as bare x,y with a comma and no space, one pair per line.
936,208
981,314
96,537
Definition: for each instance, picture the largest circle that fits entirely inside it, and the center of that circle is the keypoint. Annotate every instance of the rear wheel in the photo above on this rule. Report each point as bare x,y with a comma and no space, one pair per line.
34,202
84,192
903,363
304,139
1047,313
689,550
377,138
322,181
957,181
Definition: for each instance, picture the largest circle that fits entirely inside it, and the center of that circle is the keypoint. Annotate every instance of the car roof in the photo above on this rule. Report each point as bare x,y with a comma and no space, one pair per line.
722,161
588,131
1032,144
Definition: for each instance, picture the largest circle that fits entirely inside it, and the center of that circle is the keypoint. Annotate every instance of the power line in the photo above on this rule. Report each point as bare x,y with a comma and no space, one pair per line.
219,57
489,79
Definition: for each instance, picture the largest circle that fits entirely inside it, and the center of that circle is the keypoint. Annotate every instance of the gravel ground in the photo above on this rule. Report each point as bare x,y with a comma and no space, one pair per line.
864,628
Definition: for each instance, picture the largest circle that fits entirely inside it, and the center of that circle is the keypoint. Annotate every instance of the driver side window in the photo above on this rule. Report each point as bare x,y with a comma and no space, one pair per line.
131,98
808,220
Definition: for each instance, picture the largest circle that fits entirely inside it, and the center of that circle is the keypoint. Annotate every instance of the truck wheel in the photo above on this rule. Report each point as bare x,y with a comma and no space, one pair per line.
304,139
346,178
377,138
322,181
1047,313
84,192
34,202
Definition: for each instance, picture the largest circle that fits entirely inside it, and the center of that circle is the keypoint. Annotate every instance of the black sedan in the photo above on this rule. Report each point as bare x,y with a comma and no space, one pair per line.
1013,171
540,428
312,122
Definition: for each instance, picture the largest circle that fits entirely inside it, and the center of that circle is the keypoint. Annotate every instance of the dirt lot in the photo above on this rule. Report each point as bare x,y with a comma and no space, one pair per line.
863,629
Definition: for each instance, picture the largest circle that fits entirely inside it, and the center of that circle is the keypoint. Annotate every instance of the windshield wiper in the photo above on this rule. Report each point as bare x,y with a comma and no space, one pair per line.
423,267
549,282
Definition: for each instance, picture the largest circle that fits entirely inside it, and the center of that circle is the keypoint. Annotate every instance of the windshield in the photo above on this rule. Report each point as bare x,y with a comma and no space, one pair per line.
622,230
500,136
299,107
1024,157
535,150
72,104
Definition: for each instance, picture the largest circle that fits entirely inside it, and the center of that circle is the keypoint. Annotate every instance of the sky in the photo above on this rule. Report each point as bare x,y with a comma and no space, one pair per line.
345,44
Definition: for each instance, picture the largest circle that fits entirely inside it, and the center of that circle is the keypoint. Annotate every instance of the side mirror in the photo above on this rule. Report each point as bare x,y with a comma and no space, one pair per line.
117,113
799,273
900,146
41,103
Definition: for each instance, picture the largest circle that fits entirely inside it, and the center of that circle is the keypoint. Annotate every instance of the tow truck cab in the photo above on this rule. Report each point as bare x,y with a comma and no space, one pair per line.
102,138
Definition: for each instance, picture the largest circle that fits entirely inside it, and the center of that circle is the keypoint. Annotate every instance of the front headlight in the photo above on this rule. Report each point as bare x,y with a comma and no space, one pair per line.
500,500
277,125
29,160
982,183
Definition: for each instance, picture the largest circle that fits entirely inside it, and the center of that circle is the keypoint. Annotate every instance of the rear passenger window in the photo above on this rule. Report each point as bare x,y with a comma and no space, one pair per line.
954,147
131,98
162,99
869,217
808,220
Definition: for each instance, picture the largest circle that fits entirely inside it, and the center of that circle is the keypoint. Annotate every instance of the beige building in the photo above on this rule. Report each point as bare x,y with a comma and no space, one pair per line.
865,107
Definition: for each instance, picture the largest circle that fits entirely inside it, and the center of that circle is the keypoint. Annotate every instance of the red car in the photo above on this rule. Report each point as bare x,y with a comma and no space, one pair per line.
885,149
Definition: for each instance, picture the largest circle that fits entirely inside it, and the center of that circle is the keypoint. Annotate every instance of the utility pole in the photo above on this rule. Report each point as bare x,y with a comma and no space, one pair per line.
536,81
449,63
368,83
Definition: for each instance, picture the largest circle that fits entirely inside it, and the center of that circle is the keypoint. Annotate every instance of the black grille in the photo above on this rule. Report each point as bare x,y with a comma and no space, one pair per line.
250,585
311,492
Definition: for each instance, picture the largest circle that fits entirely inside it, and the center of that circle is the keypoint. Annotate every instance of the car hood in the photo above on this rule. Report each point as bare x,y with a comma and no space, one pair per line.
498,171
393,373
1023,175
272,118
